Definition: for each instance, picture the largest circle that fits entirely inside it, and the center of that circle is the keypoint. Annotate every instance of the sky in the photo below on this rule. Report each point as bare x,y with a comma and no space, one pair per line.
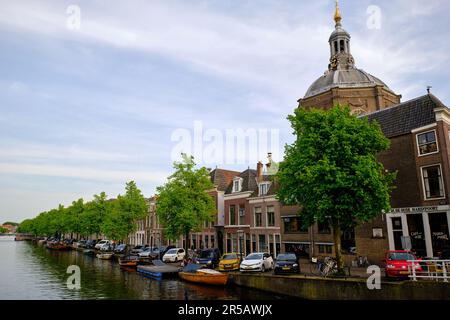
97,93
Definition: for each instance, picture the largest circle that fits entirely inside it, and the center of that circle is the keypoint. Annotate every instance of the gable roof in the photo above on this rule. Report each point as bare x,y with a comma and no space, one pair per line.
400,119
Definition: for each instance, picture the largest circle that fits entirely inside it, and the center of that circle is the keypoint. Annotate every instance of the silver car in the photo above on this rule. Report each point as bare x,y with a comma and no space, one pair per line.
258,261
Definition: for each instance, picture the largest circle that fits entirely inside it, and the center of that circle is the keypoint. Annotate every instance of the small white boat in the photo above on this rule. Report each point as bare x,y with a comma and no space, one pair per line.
105,256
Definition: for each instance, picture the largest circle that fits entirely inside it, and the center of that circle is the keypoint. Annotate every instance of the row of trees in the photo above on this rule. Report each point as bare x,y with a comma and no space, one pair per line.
114,218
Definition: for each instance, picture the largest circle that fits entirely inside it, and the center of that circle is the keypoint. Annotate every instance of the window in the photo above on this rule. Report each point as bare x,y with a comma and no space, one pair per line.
325,248
254,243
427,142
262,243
294,225
241,214
324,227
432,180
237,182
258,217
233,215
263,189
271,216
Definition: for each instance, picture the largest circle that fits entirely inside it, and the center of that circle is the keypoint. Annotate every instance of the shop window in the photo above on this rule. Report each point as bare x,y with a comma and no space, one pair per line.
300,249
262,243
325,248
254,243
432,180
427,142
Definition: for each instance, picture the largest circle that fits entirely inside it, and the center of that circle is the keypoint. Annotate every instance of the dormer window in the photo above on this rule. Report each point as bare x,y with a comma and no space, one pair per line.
263,188
237,184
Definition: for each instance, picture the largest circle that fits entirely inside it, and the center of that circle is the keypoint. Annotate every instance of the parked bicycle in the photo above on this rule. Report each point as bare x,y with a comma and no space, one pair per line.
326,267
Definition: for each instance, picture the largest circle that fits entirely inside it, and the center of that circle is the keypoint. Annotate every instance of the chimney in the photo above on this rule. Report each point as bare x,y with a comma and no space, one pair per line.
269,157
259,171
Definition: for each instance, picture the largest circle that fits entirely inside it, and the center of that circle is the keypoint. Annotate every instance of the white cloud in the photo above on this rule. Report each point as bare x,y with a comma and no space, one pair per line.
79,172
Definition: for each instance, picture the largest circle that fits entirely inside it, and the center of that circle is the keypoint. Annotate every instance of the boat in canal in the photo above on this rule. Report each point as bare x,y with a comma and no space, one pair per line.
129,260
193,273
89,252
54,245
105,255
159,270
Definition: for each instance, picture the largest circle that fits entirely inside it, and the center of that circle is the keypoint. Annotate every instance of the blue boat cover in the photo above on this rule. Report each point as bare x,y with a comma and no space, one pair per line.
191,267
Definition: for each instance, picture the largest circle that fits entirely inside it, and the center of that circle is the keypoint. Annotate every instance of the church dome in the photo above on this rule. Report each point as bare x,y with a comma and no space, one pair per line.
343,78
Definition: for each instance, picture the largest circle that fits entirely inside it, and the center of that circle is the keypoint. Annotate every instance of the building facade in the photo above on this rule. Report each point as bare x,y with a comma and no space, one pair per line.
419,131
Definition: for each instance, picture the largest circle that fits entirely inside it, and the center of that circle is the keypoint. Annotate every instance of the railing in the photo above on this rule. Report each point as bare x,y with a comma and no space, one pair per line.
429,269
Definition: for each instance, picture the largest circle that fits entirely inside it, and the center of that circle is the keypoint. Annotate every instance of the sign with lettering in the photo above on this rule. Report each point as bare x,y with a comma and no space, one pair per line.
414,209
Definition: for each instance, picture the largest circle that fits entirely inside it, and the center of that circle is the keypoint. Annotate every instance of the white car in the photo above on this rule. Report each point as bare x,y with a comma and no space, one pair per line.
102,243
258,261
174,255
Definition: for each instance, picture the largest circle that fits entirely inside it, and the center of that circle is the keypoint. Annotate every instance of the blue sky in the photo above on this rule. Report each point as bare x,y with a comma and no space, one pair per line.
84,111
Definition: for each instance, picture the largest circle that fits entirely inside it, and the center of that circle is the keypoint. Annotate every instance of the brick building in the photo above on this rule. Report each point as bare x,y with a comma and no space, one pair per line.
419,131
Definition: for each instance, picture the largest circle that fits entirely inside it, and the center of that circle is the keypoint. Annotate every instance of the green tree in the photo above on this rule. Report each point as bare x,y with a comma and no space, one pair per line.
183,203
126,211
94,214
332,172
73,217
3,230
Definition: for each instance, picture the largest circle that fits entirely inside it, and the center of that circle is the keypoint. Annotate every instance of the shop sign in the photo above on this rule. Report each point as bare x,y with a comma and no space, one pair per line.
414,209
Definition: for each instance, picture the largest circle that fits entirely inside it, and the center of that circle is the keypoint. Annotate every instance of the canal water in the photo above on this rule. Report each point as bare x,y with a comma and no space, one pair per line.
30,271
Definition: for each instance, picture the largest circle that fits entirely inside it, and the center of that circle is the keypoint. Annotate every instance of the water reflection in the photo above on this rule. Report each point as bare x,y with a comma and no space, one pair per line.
29,271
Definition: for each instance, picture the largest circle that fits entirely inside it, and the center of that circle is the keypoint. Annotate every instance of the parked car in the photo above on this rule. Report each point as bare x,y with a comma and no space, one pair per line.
146,253
287,263
90,244
258,261
121,249
208,258
102,243
81,244
230,261
397,264
137,249
163,250
174,255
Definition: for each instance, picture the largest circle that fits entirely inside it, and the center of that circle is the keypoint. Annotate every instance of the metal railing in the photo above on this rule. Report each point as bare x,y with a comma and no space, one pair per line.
429,269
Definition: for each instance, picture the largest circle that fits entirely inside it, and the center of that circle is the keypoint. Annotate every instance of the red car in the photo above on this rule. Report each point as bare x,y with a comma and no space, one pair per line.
397,264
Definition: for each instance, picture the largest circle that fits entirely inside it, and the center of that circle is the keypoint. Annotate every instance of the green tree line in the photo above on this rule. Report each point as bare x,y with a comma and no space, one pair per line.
113,218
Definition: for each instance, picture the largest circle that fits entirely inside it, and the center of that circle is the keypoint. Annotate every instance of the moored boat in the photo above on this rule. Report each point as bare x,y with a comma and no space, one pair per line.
57,246
89,252
105,256
129,261
204,276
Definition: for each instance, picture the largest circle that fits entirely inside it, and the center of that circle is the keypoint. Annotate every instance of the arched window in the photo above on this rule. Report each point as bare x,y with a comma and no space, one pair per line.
336,47
342,46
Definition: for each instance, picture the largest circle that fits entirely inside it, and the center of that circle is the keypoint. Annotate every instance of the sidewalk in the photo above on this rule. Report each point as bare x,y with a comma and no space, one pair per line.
309,268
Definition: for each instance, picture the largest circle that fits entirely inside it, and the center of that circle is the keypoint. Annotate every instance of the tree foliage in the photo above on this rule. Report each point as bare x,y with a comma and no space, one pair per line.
183,203
332,172
115,218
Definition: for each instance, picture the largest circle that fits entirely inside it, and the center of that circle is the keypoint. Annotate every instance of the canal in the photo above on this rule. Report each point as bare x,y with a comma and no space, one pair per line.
30,271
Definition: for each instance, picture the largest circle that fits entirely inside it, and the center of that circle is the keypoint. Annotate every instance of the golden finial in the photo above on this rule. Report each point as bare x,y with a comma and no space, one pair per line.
337,15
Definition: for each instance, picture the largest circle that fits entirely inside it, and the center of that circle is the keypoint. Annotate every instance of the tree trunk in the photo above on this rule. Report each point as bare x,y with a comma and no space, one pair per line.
337,246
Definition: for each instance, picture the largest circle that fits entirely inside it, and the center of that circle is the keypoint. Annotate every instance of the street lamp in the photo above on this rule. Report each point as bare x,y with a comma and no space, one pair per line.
240,235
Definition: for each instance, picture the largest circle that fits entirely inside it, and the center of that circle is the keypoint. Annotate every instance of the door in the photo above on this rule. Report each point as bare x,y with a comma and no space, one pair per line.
398,232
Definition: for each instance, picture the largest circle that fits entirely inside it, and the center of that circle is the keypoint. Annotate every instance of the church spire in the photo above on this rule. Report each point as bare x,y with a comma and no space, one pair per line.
337,15
340,55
